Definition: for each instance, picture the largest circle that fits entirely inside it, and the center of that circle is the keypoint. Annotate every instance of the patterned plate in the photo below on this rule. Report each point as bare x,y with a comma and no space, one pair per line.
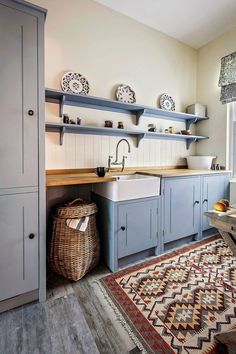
167,102
75,83
125,94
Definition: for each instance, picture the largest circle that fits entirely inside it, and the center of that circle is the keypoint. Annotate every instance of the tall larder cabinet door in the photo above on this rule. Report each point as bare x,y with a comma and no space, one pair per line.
19,244
18,99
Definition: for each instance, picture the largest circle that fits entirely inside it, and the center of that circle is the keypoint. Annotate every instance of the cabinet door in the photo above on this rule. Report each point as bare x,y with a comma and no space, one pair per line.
137,226
18,252
18,95
181,207
214,188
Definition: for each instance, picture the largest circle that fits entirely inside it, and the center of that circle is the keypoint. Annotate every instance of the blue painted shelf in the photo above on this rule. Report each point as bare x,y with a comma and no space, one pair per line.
62,98
139,134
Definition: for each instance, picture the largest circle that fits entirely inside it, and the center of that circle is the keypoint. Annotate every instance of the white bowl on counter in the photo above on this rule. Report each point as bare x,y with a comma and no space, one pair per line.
199,162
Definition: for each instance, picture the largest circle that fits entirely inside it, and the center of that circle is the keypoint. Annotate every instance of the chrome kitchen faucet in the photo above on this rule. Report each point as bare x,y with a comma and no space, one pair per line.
116,162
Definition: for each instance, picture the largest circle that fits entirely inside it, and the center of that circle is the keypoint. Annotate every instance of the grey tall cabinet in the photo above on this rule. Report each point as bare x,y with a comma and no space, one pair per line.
22,185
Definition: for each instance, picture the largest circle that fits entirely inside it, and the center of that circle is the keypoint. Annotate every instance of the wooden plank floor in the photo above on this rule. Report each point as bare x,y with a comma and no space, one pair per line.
75,319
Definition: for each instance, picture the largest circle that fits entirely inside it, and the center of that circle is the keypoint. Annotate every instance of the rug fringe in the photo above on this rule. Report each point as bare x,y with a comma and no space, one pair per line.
120,318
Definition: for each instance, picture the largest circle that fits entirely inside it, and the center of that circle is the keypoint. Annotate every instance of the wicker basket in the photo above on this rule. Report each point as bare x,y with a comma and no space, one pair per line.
73,253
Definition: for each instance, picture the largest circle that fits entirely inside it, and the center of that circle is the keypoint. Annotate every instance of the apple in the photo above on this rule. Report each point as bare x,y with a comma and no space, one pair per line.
219,206
225,201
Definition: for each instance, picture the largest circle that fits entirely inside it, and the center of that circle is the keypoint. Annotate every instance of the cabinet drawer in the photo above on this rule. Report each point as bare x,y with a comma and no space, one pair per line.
137,226
19,244
223,226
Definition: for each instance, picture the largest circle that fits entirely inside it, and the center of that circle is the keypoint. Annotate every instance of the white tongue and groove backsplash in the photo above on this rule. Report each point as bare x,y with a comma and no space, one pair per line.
81,151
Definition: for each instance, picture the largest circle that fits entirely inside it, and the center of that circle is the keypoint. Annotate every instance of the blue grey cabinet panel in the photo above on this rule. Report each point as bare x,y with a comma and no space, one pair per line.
181,207
18,94
136,226
18,252
214,188
106,219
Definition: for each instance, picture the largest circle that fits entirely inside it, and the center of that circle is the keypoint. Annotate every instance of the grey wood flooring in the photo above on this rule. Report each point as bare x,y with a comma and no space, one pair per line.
74,320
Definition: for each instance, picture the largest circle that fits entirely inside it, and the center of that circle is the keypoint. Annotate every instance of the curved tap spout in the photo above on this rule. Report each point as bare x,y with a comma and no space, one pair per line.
117,148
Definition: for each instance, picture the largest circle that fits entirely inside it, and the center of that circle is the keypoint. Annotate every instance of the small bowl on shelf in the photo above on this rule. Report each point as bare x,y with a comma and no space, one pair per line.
186,132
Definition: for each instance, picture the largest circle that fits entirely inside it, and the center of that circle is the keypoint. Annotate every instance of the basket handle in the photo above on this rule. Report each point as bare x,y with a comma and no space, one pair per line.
75,200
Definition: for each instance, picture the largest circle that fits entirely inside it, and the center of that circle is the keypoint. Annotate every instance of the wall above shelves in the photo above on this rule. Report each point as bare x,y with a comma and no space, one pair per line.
139,134
140,111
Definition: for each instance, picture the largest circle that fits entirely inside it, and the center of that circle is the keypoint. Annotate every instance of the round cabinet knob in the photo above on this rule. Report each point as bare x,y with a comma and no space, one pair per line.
205,200
31,236
30,112
123,228
196,202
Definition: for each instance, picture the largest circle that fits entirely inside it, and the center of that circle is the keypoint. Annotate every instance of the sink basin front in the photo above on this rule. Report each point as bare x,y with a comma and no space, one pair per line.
135,176
127,187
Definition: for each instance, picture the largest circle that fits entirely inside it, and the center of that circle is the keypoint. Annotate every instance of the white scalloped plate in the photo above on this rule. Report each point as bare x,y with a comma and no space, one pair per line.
125,94
74,83
167,102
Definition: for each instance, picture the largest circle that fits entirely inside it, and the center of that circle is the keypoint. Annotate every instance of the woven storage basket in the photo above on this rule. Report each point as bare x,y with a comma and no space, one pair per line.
73,253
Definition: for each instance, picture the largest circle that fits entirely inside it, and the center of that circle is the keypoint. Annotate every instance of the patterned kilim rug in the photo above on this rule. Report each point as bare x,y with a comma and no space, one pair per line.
177,302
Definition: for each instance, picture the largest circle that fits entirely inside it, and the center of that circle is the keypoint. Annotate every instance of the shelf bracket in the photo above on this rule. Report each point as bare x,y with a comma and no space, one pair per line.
139,138
189,142
61,105
190,121
62,132
139,115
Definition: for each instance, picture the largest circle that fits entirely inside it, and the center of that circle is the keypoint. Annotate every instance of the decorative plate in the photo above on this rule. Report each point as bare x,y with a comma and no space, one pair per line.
167,102
75,83
125,94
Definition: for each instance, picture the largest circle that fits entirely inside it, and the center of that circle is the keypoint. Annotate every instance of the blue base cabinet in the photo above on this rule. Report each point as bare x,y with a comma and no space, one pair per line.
184,201
181,207
214,188
127,228
136,226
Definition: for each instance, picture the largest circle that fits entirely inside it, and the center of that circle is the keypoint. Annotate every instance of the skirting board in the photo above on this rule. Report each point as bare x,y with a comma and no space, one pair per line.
19,300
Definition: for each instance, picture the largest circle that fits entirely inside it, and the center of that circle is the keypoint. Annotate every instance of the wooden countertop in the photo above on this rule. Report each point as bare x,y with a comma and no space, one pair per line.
87,176
79,178
180,172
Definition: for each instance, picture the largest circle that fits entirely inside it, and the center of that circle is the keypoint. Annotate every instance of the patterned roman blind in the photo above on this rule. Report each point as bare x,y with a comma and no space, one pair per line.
227,80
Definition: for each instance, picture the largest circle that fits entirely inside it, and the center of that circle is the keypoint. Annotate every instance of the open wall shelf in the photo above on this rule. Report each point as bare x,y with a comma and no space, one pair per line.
62,98
139,134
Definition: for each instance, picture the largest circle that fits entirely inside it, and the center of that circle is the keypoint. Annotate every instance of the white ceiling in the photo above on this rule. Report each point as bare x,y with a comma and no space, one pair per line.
194,22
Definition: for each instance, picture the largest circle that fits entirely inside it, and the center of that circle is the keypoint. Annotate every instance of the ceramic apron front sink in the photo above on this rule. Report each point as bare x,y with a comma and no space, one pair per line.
127,187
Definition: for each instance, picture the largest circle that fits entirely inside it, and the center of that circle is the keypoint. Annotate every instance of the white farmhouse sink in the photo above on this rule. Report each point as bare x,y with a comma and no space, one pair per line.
127,187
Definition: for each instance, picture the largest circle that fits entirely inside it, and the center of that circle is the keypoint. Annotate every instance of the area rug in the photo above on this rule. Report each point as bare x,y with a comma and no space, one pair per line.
177,302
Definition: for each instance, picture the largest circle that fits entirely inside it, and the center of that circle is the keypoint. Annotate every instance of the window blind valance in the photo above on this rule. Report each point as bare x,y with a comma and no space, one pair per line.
227,79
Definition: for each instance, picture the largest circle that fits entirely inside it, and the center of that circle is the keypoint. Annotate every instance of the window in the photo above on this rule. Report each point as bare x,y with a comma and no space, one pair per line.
231,138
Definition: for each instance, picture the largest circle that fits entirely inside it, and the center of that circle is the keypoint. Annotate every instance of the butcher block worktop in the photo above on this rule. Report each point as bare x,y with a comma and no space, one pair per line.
87,176
179,172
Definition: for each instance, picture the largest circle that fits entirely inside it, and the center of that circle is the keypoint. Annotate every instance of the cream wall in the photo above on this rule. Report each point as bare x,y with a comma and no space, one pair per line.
109,49
208,93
